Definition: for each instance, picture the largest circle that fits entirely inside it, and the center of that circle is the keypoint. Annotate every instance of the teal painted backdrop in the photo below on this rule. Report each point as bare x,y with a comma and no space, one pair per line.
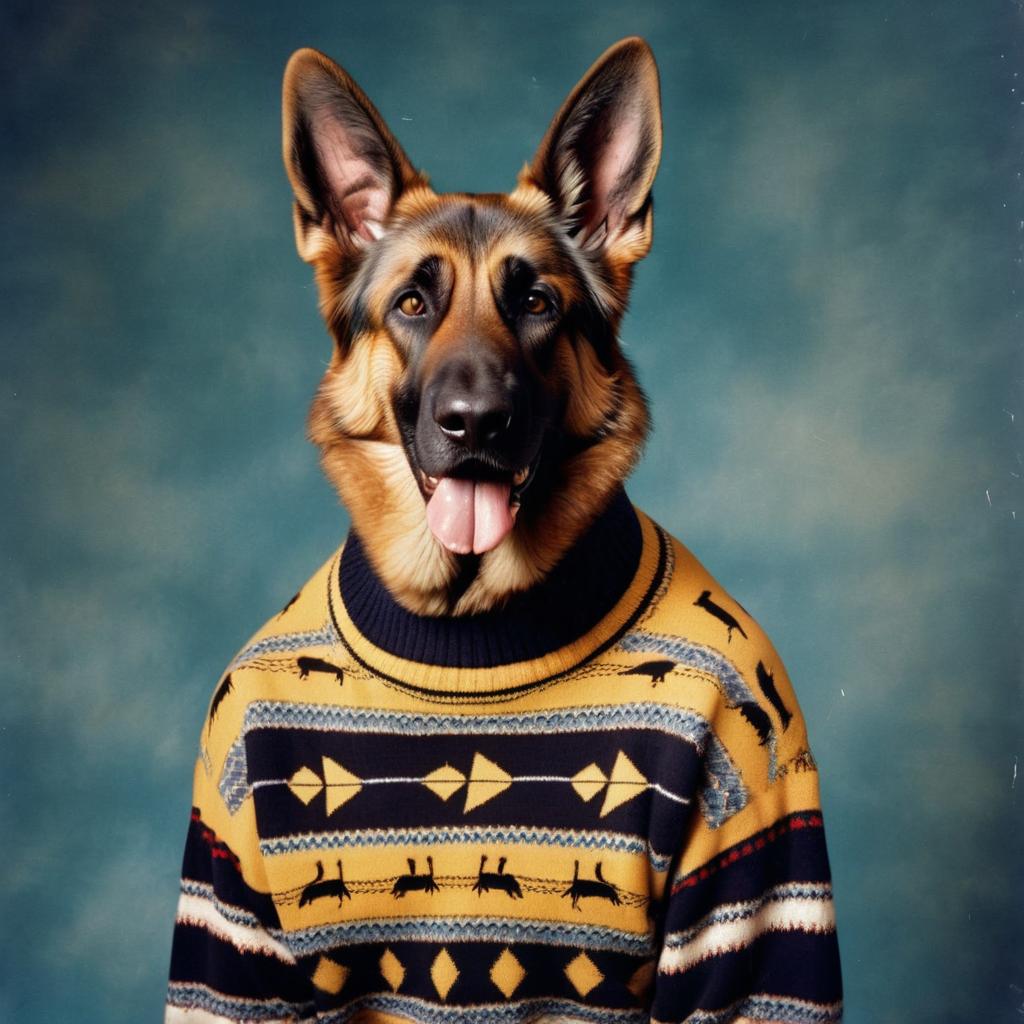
827,327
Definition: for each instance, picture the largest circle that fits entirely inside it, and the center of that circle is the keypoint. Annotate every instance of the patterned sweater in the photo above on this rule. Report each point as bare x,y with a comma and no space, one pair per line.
597,805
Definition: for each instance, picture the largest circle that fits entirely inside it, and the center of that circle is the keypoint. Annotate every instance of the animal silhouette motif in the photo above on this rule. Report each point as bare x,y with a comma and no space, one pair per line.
307,664
320,888
596,886
705,602
226,686
758,718
488,880
766,681
413,882
657,670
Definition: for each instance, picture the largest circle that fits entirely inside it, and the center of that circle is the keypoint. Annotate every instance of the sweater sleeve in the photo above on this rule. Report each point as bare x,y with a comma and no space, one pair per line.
749,927
228,960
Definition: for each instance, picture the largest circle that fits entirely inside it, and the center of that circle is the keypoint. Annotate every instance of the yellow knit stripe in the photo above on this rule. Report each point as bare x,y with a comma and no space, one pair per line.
238,831
543,875
795,792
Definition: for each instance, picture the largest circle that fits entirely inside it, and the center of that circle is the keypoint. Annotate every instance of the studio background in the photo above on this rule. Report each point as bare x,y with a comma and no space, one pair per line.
827,327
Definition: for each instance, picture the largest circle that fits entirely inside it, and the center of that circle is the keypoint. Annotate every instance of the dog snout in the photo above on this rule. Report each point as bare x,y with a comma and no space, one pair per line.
473,405
476,420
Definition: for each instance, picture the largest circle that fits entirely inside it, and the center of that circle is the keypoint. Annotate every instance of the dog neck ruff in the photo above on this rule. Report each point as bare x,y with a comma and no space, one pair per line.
595,593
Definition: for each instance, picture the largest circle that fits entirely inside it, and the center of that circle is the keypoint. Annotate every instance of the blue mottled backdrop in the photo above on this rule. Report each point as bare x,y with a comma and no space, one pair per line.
828,328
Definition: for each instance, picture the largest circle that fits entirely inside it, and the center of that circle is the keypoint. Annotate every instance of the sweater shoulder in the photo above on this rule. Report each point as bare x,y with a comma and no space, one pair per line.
728,667
692,604
296,646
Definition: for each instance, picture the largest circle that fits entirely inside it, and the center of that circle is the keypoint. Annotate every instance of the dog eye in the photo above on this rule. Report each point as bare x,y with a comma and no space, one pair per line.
412,304
536,303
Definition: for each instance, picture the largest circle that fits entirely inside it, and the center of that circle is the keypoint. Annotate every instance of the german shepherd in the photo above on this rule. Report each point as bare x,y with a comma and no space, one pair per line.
477,413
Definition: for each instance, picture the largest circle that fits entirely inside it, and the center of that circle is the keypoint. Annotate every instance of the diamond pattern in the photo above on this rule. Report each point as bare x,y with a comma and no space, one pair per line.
640,980
392,969
443,973
305,784
330,976
507,973
588,782
444,781
583,973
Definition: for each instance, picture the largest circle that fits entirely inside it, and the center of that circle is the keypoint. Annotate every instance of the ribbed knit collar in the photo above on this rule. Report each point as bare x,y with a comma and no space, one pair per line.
581,607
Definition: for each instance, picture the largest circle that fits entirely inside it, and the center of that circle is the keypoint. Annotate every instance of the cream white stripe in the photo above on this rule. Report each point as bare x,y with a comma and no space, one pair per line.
202,913
787,915
192,1015
730,912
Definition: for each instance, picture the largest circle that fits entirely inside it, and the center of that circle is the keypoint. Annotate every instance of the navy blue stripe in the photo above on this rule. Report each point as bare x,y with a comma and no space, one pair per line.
794,855
567,604
208,859
197,956
792,964
278,754
544,977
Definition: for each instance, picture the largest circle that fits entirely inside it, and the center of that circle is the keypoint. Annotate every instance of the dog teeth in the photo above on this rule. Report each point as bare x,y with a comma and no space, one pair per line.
521,476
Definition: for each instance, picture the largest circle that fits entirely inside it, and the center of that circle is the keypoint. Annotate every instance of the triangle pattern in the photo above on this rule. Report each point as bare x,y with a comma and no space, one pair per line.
486,781
305,784
444,781
626,782
588,782
341,784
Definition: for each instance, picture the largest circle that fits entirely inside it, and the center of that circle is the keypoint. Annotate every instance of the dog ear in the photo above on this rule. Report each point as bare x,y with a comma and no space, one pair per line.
600,154
345,167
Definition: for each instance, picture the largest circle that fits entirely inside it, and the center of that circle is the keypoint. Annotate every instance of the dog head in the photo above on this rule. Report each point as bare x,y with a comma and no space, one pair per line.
477,413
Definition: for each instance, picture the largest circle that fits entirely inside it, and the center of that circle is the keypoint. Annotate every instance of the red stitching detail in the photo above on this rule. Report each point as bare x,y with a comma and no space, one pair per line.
219,850
792,824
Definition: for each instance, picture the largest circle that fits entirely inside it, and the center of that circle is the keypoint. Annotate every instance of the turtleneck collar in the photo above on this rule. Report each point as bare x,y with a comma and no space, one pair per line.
580,608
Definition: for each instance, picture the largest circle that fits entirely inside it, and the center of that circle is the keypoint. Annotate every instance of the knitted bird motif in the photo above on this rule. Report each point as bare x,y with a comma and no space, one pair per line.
307,664
657,670
705,602
226,686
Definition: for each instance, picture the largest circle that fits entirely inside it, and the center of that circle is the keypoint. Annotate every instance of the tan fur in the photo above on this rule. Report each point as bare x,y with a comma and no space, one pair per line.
352,419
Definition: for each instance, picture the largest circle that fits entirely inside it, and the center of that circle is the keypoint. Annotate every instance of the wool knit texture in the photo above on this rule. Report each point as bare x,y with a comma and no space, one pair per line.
596,805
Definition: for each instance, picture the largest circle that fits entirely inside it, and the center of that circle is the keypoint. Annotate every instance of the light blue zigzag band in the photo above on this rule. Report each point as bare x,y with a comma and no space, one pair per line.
776,1009
234,777
729,913
704,659
525,1011
205,891
326,636
187,996
323,938
679,722
722,795
483,835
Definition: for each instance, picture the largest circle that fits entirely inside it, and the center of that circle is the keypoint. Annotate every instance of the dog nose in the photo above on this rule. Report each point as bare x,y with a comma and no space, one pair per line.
475,420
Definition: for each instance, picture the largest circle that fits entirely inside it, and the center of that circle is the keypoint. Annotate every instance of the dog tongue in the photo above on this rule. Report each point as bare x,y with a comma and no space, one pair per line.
468,516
